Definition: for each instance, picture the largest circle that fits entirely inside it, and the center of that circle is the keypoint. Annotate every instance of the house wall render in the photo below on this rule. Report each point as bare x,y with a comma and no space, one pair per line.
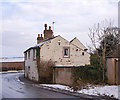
53,51
31,71
63,75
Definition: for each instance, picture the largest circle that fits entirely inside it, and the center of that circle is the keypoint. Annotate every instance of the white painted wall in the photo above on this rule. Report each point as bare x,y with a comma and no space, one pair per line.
33,73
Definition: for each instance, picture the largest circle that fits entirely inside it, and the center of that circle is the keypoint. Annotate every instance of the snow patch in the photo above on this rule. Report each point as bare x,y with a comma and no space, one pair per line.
111,91
12,71
8,72
57,86
107,90
19,80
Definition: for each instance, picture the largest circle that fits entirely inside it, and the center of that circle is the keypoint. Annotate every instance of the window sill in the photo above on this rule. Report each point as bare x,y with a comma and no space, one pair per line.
66,56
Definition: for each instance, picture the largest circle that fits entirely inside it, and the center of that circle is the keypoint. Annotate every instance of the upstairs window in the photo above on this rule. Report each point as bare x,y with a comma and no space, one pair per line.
29,54
76,49
83,53
34,54
26,56
66,52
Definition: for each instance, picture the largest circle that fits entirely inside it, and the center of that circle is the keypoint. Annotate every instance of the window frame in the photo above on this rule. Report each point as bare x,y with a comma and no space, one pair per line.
29,54
26,56
68,52
34,54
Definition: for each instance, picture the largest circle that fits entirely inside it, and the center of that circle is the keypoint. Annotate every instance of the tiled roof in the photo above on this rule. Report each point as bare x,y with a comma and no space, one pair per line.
40,44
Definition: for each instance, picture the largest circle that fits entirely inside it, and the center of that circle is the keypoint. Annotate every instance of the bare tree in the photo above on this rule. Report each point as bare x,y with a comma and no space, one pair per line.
97,35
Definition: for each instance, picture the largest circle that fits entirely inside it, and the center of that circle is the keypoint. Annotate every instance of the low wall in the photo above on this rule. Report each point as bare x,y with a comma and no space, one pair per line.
12,64
113,70
63,75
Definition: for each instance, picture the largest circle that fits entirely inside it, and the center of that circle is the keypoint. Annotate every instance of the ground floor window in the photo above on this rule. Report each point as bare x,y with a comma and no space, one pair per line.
29,54
26,56
28,69
34,54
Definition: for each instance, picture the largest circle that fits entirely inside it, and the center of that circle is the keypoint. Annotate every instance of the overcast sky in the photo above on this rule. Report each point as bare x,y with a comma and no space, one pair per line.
22,21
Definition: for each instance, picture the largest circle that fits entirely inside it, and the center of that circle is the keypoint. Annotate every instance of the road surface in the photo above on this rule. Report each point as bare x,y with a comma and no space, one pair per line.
12,88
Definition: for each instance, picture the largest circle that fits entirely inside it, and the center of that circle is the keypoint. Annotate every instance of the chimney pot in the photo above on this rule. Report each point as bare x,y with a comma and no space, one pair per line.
45,26
39,38
49,27
38,35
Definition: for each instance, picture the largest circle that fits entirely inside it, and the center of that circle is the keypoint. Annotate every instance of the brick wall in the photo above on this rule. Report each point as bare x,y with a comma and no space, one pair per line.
12,64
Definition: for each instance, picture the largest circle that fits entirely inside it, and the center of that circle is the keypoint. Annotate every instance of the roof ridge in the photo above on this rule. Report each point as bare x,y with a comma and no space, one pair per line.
73,39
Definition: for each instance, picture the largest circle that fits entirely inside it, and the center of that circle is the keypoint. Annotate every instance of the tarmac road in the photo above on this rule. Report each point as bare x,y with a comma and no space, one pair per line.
13,88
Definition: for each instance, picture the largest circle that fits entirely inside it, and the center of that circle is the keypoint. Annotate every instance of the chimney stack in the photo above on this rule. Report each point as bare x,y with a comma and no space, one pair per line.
39,39
48,33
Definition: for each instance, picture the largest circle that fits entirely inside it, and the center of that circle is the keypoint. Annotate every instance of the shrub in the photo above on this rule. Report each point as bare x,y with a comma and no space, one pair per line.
90,73
4,69
45,70
10,68
19,68
87,74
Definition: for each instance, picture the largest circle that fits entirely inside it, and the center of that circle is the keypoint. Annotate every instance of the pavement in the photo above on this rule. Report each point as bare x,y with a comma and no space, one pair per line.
14,85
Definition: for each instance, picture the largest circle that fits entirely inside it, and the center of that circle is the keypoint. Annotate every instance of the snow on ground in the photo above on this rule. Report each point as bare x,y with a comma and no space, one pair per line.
57,86
12,71
19,80
107,90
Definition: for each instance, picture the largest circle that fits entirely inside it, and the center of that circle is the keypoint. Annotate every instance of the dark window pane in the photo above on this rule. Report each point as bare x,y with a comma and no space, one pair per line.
66,52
